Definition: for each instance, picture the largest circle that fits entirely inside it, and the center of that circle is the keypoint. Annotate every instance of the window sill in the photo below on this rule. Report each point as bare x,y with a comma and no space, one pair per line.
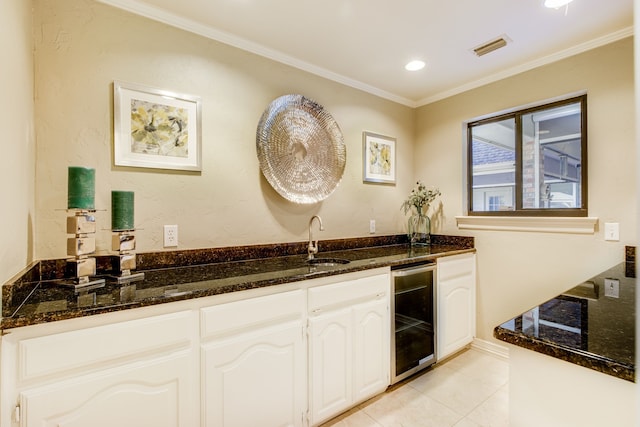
567,225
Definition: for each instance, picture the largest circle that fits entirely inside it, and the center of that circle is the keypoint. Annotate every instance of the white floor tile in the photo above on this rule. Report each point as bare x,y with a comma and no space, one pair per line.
468,390
460,392
406,407
494,412
466,422
353,418
475,364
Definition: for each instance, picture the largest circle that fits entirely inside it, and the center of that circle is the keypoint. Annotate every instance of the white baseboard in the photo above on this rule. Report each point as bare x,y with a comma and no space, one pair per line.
490,348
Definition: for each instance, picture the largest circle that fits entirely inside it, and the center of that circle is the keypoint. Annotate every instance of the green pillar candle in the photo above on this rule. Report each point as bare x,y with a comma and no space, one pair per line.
81,188
122,210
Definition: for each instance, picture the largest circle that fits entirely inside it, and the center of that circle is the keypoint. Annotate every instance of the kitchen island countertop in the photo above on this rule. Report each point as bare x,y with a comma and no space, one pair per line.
591,325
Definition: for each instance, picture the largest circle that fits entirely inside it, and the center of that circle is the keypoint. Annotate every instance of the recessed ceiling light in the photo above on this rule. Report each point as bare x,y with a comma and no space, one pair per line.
415,65
556,4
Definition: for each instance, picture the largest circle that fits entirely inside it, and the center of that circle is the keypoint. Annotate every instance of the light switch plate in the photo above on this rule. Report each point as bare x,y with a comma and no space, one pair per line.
612,231
612,288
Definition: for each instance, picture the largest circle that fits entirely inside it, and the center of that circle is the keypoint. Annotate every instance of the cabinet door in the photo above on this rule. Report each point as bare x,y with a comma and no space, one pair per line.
254,362
456,295
371,349
127,373
256,378
154,393
330,358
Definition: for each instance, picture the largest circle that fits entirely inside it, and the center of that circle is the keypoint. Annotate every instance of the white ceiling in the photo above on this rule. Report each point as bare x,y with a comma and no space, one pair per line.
366,43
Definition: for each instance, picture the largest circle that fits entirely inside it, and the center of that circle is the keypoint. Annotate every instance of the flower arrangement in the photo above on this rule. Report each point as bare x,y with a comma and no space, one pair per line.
419,198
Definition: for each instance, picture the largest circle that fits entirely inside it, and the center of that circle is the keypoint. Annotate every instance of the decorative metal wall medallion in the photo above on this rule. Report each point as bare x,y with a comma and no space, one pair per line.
300,149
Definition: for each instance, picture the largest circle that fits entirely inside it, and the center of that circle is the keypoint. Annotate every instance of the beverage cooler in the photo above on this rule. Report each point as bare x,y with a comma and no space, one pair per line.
413,317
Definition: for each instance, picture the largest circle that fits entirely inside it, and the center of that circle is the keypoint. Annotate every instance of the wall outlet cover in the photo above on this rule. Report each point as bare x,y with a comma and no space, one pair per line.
170,236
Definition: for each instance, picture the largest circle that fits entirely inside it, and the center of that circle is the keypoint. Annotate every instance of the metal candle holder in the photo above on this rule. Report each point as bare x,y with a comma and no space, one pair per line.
81,223
124,243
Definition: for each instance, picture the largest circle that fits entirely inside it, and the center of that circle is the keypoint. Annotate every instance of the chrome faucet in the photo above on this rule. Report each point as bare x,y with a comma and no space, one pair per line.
313,247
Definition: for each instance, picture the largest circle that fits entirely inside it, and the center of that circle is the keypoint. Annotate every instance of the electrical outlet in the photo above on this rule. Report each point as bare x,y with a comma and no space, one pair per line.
372,226
170,236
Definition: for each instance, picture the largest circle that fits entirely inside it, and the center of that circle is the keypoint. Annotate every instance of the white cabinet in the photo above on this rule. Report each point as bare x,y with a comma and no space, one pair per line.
133,373
331,364
371,351
456,303
155,393
254,362
288,355
348,344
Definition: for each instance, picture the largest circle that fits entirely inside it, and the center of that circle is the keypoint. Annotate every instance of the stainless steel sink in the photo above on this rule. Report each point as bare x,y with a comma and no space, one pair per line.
327,262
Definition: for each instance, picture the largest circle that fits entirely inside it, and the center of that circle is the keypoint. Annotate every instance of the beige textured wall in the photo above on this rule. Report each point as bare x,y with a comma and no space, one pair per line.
82,46
17,142
517,270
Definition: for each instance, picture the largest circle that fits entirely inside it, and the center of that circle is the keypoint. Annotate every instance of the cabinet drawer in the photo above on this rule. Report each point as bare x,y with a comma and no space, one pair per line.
79,349
347,292
454,266
251,313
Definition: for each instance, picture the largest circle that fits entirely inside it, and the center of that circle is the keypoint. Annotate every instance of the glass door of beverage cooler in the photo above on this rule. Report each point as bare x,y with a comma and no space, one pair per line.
413,331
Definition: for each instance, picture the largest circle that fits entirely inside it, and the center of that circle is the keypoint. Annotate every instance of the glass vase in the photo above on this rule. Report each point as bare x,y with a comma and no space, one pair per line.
419,230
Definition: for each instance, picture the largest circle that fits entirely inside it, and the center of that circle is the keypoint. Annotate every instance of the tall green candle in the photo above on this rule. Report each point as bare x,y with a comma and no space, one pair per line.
122,210
81,188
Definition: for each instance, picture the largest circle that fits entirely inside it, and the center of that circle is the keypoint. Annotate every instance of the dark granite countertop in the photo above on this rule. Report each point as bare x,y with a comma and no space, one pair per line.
37,297
591,325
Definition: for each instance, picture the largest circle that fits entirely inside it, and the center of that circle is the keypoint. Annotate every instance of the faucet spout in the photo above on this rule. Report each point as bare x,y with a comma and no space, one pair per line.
312,249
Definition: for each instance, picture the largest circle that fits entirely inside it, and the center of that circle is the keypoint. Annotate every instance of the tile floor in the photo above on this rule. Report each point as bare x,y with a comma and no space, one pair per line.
468,390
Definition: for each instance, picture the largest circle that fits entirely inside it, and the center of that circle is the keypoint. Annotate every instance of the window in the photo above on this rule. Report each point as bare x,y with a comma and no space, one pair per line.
531,162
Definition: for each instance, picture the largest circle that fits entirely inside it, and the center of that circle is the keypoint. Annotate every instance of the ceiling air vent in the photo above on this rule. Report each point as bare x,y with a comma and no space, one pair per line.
491,46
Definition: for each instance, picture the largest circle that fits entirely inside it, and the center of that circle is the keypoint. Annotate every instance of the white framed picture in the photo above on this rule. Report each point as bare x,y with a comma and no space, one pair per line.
156,128
379,158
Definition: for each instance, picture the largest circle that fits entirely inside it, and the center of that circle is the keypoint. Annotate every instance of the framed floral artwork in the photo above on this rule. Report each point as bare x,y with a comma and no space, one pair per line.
155,128
379,158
